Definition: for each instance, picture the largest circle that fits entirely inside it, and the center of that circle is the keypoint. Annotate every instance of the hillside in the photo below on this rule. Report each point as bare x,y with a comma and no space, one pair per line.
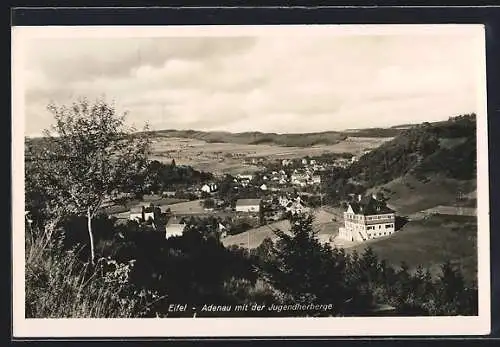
287,140
257,138
430,242
409,195
445,148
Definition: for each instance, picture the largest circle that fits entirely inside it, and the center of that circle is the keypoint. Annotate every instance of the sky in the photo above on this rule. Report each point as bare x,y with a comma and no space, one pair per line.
258,82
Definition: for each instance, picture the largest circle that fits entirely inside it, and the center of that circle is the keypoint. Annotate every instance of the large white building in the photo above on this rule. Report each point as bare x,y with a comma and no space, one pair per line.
366,219
248,205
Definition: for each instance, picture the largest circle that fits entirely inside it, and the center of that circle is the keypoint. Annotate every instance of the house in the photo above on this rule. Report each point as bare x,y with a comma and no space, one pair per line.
143,213
247,177
137,213
316,179
149,213
169,194
299,179
209,188
367,218
263,187
304,161
221,228
296,206
175,227
283,201
248,205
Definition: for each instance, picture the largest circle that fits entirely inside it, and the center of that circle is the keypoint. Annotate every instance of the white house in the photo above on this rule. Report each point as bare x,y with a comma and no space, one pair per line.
245,177
316,179
296,206
209,188
174,227
149,213
263,187
248,205
366,219
299,179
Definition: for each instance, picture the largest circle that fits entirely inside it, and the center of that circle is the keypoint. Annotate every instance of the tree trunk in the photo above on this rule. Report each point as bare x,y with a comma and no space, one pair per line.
91,236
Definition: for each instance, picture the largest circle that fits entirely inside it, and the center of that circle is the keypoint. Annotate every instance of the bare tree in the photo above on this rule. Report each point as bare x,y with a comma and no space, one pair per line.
91,155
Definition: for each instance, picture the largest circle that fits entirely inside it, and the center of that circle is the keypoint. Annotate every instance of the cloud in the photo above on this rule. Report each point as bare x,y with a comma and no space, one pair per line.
267,83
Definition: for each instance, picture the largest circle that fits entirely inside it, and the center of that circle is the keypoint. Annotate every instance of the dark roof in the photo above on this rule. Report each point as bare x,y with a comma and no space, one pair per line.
247,202
370,206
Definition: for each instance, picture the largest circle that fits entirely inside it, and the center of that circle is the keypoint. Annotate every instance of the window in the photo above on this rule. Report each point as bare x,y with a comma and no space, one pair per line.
387,226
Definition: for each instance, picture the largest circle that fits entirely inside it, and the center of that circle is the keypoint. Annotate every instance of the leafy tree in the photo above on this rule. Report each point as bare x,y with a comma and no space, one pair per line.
90,155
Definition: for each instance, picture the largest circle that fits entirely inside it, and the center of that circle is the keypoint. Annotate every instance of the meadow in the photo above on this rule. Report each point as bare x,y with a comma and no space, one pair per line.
430,242
323,223
221,158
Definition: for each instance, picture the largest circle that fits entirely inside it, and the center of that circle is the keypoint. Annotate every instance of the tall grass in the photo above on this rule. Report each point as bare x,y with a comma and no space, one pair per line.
59,285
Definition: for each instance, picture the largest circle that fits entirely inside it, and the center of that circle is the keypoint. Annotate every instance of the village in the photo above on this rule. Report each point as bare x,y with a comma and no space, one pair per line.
243,203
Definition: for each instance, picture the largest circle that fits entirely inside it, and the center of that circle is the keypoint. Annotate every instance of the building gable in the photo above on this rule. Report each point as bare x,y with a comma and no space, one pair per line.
350,210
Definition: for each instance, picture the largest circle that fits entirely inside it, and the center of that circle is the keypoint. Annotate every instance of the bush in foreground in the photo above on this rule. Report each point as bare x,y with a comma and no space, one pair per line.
58,285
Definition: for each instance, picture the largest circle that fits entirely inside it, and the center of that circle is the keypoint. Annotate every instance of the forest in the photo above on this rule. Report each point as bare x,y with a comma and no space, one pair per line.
425,151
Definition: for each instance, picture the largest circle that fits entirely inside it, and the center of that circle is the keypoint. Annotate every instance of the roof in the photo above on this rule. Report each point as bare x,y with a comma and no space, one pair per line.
370,206
247,202
136,209
175,220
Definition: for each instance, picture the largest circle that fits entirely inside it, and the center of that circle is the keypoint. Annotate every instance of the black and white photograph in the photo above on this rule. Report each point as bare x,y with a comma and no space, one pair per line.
327,179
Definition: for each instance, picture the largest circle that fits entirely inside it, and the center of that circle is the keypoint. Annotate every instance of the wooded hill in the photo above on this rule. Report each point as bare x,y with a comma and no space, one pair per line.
445,148
288,140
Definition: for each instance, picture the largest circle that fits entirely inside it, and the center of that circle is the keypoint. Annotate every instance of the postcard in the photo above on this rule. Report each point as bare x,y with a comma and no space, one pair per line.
235,181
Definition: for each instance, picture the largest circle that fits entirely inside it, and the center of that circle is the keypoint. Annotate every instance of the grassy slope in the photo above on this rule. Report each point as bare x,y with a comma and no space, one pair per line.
322,223
408,195
430,243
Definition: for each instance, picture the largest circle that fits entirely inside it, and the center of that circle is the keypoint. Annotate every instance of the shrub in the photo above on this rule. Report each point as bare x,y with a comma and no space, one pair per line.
58,285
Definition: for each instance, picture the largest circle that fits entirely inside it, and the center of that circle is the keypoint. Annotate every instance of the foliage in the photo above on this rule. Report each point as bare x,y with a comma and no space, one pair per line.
160,177
140,273
209,203
58,285
90,154
418,150
302,270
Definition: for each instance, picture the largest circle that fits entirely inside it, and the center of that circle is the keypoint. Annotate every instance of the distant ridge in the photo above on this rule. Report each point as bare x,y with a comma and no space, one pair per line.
277,139
288,140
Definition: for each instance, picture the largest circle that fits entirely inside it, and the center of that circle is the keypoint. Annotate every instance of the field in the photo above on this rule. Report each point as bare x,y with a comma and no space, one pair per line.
430,242
407,195
323,224
122,211
220,158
